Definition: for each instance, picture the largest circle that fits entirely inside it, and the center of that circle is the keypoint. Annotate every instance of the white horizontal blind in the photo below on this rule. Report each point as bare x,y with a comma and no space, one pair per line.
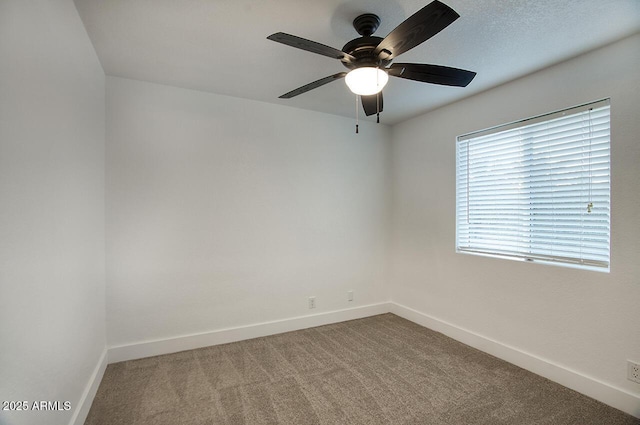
537,189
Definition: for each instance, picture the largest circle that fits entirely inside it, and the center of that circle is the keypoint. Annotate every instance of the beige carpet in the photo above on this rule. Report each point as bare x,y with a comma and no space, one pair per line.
378,370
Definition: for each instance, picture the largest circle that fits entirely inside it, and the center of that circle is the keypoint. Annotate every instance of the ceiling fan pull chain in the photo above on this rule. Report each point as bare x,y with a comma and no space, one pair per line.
378,98
357,114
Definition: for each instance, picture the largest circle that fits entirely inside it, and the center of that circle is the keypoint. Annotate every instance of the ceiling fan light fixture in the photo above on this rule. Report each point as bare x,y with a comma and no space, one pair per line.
367,80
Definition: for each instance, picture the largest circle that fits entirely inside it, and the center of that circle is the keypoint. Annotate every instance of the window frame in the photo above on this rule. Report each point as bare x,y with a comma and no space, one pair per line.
513,254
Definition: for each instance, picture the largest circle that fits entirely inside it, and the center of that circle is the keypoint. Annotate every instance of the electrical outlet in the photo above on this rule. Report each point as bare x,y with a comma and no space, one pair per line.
349,295
312,302
633,371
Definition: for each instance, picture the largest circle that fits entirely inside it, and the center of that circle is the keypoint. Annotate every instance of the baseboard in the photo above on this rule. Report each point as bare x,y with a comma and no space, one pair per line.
606,393
223,336
84,404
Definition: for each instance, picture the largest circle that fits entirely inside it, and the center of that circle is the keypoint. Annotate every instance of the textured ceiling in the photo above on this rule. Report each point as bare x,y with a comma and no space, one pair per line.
220,46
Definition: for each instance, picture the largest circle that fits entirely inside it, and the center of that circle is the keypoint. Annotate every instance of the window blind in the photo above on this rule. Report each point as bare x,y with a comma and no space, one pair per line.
538,189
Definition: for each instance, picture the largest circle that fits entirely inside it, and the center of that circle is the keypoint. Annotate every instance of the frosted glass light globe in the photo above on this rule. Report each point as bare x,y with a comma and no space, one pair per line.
366,81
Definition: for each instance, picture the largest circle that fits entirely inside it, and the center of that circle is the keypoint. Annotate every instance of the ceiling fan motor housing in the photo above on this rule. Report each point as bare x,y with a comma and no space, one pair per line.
363,48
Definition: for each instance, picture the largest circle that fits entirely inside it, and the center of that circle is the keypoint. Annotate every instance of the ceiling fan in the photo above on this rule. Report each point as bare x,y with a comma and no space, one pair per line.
369,57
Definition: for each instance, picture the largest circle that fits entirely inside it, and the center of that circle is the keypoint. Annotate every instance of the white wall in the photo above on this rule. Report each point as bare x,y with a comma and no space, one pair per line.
584,321
52,313
223,212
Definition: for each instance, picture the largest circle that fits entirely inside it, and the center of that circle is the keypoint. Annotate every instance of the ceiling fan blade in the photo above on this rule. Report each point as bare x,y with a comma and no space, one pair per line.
310,46
434,74
416,29
314,85
370,104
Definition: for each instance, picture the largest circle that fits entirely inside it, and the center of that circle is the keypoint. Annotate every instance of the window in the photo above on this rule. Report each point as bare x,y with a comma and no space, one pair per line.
538,189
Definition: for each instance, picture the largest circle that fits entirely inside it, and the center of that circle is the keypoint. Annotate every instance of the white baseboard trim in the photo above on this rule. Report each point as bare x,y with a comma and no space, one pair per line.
224,336
606,393
84,404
